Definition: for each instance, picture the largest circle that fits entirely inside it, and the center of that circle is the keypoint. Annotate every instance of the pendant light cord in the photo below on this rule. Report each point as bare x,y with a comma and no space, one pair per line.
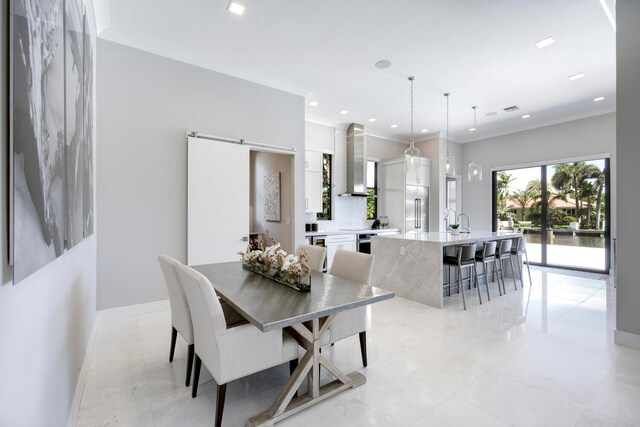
411,140
447,95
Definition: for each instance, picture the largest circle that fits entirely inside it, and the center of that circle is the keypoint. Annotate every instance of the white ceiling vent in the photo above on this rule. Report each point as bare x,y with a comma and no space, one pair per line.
512,109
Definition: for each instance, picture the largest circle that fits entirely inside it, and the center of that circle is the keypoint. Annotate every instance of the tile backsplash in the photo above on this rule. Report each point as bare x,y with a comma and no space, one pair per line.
350,212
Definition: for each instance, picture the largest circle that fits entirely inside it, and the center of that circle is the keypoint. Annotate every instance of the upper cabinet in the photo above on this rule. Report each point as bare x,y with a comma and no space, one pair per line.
313,181
421,175
313,161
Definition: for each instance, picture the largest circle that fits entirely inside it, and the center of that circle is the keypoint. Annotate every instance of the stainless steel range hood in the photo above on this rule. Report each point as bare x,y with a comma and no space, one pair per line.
356,162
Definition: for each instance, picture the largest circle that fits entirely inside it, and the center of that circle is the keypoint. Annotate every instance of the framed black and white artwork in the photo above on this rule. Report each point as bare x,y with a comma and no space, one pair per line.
37,133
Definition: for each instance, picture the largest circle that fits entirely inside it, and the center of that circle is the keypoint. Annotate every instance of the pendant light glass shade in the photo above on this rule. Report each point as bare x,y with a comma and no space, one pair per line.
448,160
474,171
412,153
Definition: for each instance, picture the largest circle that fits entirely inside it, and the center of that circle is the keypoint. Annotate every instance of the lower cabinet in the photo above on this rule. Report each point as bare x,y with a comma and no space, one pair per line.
346,242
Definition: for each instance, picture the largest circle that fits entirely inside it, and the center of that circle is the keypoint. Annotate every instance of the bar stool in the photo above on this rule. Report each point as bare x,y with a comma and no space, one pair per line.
519,248
487,255
504,253
465,258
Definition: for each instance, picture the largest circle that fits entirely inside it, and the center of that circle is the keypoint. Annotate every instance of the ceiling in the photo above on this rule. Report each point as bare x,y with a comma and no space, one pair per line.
482,52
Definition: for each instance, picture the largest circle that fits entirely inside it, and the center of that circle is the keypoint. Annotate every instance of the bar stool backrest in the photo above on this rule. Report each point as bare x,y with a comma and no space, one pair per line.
505,246
518,244
489,249
467,253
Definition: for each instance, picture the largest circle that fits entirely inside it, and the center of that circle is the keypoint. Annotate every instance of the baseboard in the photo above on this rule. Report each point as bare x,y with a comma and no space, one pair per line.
74,409
132,310
626,338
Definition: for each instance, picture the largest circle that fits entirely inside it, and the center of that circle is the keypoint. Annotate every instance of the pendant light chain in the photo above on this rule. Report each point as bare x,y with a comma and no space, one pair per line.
447,95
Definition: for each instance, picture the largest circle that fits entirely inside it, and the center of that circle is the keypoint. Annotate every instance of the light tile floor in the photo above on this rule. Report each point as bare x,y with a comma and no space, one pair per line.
540,356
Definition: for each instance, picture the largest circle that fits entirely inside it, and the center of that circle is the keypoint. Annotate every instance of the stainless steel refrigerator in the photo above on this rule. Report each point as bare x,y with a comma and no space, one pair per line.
416,208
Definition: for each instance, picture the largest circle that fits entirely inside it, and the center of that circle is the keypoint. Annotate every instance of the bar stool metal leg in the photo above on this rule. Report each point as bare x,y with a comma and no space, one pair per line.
496,276
475,274
528,269
461,287
513,273
486,280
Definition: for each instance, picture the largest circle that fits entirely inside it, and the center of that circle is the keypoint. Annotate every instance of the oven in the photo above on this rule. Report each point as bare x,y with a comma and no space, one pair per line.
363,242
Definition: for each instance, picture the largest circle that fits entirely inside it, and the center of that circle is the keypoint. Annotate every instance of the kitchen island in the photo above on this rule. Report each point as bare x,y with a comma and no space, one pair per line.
411,264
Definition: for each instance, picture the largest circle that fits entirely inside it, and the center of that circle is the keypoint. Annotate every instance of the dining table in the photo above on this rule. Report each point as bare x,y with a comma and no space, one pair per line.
306,316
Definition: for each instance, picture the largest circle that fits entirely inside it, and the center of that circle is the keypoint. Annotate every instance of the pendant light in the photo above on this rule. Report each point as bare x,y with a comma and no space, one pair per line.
412,153
474,171
449,160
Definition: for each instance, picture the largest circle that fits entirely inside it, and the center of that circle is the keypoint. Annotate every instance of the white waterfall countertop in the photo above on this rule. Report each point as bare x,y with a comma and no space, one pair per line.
448,239
411,264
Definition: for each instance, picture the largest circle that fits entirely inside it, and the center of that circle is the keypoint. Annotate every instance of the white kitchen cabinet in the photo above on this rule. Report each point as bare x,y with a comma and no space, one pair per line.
313,181
313,161
421,175
313,192
346,242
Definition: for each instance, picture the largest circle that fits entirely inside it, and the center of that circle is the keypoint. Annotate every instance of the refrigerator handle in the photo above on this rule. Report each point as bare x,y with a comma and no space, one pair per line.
418,208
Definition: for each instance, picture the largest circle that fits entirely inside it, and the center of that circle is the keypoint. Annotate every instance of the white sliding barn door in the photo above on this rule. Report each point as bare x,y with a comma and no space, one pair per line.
218,201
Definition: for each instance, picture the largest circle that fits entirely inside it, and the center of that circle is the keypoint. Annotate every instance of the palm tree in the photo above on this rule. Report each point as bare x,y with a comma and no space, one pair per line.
536,187
502,187
568,177
523,198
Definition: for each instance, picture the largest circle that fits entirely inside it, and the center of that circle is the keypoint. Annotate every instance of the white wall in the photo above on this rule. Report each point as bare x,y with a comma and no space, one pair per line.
146,103
262,164
45,320
628,173
570,140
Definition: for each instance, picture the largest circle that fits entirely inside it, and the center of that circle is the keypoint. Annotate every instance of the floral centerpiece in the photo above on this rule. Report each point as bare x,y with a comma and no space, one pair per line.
273,262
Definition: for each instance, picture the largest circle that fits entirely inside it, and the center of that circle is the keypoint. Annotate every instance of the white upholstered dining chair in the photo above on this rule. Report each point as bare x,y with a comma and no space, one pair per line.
229,353
358,267
180,314
317,254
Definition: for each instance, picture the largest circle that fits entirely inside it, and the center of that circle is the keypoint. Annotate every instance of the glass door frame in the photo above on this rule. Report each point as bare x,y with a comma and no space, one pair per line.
545,209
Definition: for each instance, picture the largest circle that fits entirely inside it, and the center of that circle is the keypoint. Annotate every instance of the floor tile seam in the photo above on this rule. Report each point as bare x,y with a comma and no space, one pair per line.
609,373
564,362
586,371
482,409
373,409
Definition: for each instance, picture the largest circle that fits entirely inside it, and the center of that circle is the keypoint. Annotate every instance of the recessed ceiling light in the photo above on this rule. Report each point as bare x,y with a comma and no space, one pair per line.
344,112
393,126
383,63
313,103
424,130
526,116
472,129
598,99
545,42
236,8
371,119
576,76
491,114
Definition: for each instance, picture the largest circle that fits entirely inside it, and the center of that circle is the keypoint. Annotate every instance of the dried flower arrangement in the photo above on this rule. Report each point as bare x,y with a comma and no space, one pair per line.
274,263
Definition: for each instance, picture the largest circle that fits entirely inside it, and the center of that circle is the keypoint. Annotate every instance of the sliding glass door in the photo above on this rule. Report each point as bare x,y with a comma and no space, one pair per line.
562,209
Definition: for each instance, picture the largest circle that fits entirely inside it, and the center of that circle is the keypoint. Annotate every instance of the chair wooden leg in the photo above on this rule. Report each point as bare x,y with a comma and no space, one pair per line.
196,376
363,347
172,349
222,392
190,353
293,364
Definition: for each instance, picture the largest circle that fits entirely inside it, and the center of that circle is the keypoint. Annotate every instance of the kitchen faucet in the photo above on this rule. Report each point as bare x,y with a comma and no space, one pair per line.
466,229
